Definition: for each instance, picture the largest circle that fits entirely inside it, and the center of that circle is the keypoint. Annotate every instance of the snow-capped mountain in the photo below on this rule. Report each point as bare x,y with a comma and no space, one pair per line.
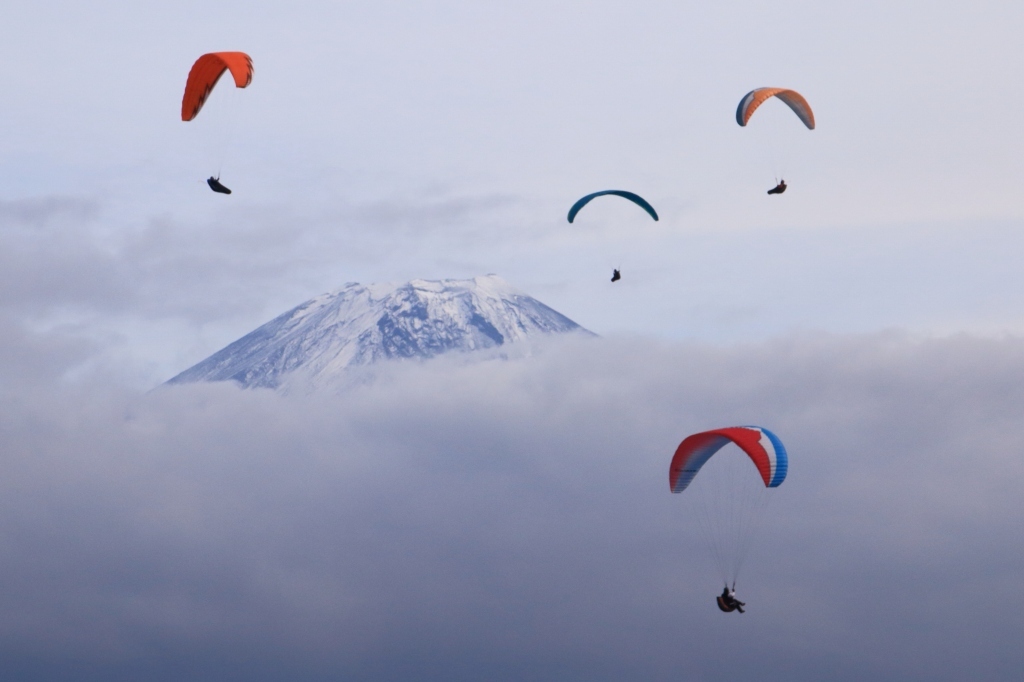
361,324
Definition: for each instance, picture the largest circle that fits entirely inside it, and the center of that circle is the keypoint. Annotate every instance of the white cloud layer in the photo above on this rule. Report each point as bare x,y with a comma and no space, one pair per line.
512,520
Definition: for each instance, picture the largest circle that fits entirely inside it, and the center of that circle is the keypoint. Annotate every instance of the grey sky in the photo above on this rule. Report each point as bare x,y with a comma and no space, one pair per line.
512,520
387,141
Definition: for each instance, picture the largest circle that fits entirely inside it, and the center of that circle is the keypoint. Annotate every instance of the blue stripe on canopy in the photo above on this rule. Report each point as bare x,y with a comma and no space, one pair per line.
781,459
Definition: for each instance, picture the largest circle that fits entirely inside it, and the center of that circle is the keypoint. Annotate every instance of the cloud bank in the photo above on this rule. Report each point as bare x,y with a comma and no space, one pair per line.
512,520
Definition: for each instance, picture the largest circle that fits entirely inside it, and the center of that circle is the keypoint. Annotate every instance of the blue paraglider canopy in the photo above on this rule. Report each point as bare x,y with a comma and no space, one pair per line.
635,198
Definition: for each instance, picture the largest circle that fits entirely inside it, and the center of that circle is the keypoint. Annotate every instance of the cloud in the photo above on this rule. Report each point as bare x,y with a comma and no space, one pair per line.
510,520
42,211
64,254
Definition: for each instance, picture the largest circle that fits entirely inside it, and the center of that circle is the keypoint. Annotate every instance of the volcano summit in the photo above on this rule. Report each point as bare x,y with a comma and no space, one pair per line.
362,324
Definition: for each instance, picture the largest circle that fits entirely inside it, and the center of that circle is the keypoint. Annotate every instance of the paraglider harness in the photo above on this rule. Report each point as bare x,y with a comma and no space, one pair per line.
779,188
728,602
616,276
214,183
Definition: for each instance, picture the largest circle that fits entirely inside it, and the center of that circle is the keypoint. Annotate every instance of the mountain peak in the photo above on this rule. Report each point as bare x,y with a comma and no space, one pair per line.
360,324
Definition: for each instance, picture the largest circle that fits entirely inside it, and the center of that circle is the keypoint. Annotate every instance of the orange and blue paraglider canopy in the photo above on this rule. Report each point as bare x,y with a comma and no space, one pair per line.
206,72
793,99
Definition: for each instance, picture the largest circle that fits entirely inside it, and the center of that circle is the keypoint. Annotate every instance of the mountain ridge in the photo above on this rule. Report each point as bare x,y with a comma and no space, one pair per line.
361,324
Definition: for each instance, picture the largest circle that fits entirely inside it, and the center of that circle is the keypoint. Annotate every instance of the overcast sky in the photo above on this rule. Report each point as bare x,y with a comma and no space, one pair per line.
521,527
384,141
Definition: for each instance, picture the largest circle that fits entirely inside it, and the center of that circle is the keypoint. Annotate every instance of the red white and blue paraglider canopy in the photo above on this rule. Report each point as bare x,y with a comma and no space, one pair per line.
763,447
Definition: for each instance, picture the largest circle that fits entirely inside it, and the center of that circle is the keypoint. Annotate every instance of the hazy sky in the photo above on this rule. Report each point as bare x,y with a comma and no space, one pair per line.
387,141
521,527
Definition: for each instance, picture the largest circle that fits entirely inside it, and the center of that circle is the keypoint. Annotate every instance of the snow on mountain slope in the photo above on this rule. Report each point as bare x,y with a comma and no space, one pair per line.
361,324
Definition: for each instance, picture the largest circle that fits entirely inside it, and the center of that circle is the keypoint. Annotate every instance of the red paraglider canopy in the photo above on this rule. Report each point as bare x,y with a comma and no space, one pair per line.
206,72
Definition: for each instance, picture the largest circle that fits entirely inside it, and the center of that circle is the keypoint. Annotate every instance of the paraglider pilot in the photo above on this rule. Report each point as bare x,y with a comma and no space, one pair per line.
728,602
779,188
215,185
616,276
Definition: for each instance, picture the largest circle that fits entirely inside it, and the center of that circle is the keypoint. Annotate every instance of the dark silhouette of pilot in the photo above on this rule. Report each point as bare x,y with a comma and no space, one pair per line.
215,185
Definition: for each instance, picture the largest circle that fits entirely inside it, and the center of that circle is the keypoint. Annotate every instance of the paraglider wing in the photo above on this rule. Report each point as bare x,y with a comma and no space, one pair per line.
206,72
635,198
762,446
793,99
